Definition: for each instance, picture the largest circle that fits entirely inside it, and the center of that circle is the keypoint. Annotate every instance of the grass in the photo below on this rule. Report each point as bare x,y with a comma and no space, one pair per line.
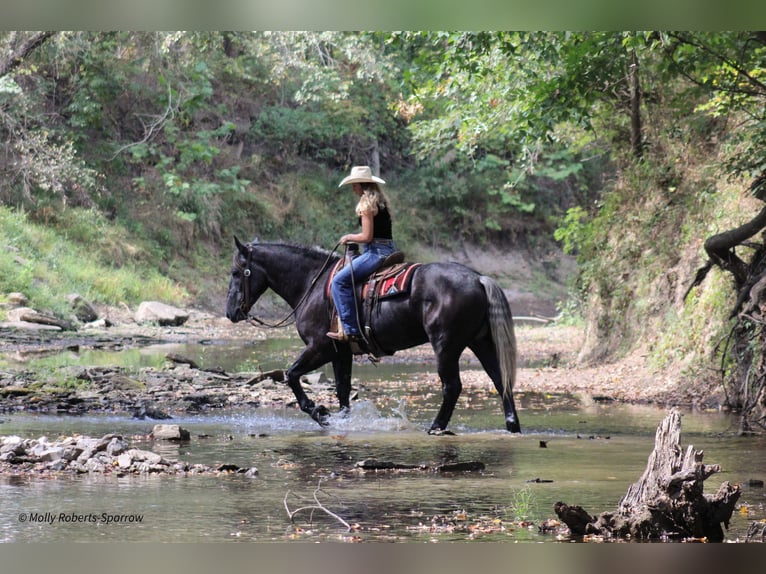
80,253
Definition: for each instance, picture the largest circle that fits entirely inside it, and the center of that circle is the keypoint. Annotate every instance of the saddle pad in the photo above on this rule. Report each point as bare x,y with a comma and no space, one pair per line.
388,281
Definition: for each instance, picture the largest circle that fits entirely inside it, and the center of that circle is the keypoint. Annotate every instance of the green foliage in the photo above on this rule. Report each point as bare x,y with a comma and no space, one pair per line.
305,132
523,505
573,232
47,263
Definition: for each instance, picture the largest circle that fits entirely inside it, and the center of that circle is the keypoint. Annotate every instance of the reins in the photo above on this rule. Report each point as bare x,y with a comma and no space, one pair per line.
245,304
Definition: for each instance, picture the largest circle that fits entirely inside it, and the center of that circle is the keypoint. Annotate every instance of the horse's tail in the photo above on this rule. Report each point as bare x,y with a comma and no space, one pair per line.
501,325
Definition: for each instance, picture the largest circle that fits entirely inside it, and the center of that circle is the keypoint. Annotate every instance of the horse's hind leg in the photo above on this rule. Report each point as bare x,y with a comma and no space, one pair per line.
341,367
484,349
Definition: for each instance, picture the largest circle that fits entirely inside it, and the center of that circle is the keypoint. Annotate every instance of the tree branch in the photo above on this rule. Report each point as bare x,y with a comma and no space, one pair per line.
317,506
722,58
18,55
720,247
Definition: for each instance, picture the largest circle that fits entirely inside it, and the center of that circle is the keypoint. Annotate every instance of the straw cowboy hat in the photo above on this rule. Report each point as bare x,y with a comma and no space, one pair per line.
360,174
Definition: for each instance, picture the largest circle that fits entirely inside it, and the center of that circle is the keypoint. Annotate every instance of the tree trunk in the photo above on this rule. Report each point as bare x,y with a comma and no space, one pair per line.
745,384
636,136
667,501
375,158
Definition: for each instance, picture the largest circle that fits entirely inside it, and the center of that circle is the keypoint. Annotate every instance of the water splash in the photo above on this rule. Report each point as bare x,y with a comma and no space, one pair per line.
365,416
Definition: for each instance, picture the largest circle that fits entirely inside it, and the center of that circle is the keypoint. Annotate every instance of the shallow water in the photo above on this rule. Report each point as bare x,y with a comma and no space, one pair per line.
592,453
294,457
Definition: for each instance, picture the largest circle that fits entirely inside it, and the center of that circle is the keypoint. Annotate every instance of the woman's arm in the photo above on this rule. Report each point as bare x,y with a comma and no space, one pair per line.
364,236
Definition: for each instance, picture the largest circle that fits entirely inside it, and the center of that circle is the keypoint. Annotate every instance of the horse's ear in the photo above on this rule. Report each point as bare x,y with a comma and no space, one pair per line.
242,248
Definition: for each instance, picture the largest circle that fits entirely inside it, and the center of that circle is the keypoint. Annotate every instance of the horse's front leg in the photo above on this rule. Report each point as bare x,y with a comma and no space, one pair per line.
341,366
449,373
309,360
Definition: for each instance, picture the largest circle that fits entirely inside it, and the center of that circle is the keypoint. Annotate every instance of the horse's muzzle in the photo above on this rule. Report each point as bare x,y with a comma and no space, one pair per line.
236,316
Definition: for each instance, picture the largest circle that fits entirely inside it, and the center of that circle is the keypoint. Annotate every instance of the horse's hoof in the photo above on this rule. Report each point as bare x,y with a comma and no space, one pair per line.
344,412
441,432
512,425
321,415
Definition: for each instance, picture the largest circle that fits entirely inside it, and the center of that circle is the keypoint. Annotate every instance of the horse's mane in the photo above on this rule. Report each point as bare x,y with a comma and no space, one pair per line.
315,251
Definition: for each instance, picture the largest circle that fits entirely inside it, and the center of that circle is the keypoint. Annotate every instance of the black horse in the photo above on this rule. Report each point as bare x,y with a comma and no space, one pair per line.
449,305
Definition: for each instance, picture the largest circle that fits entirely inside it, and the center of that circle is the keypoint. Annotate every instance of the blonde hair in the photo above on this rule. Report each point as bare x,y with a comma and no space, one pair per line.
372,200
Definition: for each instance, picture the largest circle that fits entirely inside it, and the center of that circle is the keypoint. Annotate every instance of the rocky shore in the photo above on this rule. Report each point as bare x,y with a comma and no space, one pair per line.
110,454
150,393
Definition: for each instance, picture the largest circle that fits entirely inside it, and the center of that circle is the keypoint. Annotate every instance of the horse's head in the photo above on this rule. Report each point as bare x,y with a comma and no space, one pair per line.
247,283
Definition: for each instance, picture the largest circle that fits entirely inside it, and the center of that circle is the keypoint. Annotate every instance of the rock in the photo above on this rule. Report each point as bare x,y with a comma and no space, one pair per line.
17,299
57,465
71,452
124,460
12,444
170,432
149,411
116,446
83,310
99,324
160,313
51,454
147,456
93,465
318,378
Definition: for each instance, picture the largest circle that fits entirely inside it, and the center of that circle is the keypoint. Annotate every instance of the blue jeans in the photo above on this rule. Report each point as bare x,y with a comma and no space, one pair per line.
342,288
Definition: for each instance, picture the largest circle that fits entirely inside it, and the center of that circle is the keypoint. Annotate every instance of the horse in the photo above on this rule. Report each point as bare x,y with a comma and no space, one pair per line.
448,304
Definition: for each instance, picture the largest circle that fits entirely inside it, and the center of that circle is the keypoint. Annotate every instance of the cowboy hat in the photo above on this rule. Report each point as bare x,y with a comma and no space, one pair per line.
360,174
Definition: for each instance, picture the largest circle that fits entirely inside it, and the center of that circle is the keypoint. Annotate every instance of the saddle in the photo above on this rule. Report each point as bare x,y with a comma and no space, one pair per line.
391,279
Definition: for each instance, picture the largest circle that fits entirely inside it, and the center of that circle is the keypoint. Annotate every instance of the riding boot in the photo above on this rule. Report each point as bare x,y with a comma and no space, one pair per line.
337,333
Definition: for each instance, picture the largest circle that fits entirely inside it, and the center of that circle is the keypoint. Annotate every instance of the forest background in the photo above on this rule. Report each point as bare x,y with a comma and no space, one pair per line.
129,160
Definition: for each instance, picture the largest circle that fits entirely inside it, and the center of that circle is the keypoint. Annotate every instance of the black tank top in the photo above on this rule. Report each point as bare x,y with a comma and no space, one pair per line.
381,224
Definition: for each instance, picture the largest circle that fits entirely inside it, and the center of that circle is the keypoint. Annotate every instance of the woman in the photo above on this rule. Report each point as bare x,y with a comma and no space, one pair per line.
376,236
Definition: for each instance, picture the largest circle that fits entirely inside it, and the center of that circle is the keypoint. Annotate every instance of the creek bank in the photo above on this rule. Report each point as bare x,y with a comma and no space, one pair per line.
548,364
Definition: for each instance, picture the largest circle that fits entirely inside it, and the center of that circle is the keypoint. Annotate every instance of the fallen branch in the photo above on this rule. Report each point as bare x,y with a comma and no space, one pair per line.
312,507
42,319
276,375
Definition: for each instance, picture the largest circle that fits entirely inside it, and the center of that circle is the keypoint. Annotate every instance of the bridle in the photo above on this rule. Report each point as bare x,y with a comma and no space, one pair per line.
244,296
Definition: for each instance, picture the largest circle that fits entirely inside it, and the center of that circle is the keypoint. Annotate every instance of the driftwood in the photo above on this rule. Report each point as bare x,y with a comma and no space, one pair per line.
181,360
276,375
42,319
667,502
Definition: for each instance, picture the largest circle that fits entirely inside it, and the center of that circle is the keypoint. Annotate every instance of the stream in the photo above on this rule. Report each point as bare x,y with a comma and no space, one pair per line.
580,452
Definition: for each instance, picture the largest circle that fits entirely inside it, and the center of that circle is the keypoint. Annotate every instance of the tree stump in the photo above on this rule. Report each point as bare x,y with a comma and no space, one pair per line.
667,501
756,532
